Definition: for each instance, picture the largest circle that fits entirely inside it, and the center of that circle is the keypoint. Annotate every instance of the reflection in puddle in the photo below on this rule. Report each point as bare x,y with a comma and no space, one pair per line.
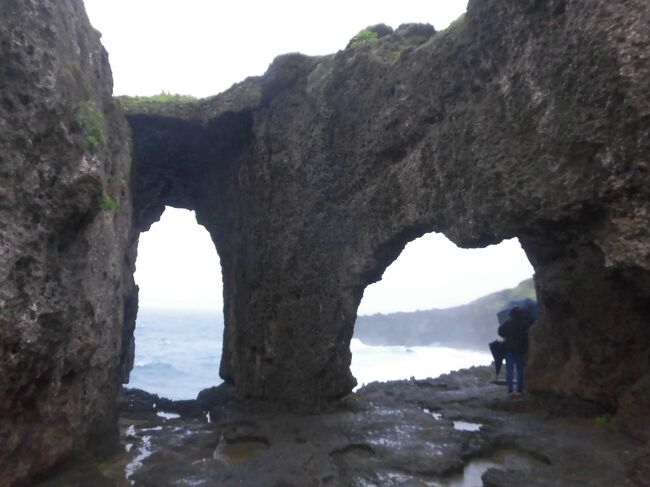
458,425
471,476
165,415
503,459
431,413
467,426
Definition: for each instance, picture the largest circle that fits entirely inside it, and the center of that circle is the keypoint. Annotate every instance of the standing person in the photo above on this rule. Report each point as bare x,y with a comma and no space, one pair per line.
515,334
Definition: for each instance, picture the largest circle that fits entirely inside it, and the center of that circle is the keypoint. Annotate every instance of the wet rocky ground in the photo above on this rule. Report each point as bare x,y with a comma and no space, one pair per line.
460,429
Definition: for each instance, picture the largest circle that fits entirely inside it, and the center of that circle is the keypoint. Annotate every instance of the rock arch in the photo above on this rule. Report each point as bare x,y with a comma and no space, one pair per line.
519,120
525,119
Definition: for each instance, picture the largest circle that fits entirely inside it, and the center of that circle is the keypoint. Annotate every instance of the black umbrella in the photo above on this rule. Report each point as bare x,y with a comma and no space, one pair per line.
498,353
529,308
527,305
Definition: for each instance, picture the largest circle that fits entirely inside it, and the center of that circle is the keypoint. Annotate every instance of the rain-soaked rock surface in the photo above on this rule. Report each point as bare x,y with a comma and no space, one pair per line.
526,119
522,119
457,430
66,278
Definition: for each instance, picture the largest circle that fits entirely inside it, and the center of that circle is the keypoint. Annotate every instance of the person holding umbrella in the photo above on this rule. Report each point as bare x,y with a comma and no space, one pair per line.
514,331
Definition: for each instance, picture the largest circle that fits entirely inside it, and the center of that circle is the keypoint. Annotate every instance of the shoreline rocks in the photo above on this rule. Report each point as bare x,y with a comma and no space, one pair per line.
457,428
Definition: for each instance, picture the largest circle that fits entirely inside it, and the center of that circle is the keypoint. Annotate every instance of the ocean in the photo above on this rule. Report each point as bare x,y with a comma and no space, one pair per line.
177,353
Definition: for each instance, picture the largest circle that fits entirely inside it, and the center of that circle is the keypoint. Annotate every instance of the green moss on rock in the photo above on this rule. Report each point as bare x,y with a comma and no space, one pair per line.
110,203
146,104
363,36
91,121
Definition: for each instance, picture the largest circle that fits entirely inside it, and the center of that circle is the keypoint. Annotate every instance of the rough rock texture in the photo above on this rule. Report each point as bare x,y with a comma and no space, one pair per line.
450,431
523,119
527,118
65,214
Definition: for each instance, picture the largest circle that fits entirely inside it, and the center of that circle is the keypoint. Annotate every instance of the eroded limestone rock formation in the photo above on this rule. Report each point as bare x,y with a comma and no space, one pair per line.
65,215
527,119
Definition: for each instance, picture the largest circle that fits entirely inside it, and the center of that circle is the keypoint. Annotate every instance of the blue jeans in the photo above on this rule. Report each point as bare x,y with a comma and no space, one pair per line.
515,360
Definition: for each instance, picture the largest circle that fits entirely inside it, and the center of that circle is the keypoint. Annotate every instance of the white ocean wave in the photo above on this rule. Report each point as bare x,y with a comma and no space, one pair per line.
190,362
381,363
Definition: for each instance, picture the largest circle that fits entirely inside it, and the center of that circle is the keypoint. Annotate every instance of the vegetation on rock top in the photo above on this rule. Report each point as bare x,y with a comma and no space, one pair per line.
363,36
145,103
455,24
525,289
453,27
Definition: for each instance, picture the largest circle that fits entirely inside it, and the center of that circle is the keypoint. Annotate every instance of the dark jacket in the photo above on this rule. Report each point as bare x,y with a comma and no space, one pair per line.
515,334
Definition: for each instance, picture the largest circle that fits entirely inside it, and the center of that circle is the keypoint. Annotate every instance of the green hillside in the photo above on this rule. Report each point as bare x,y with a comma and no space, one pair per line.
472,325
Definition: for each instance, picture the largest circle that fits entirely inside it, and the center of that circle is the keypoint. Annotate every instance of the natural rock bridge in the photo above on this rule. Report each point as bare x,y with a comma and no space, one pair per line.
523,119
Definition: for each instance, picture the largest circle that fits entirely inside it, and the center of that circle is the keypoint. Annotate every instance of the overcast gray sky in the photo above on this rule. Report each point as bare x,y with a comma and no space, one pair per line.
202,47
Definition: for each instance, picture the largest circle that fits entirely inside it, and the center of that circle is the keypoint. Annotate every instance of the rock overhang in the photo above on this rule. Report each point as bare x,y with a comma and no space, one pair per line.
476,131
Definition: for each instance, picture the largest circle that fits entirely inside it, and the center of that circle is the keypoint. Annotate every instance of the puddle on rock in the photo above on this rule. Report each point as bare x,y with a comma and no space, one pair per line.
165,415
359,450
240,449
458,425
433,414
466,426
472,473
509,459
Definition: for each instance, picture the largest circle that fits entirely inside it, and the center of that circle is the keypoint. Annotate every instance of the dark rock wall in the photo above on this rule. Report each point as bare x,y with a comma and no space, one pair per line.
65,213
525,119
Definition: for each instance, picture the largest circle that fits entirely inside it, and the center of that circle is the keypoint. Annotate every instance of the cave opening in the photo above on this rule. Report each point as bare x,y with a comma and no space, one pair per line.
434,310
179,327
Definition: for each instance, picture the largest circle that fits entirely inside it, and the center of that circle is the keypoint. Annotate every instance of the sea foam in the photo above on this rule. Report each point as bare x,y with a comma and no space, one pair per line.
178,355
